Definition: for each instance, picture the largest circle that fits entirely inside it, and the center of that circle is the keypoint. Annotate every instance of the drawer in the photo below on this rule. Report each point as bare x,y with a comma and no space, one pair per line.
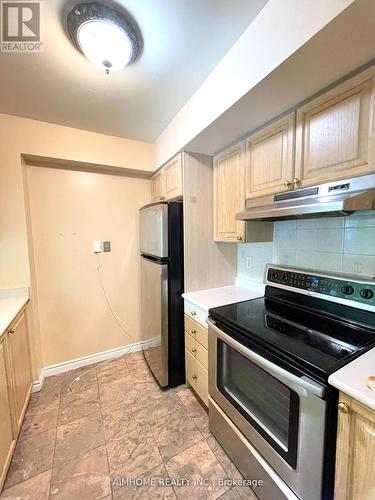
196,313
190,365
196,331
190,344
201,355
196,349
201,382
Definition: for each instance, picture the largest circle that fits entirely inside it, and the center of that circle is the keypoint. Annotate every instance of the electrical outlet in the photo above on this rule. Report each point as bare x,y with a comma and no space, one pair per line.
97,246
249,262
106,246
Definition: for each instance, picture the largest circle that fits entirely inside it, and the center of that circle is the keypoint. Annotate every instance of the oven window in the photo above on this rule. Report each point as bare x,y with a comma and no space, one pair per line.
269,405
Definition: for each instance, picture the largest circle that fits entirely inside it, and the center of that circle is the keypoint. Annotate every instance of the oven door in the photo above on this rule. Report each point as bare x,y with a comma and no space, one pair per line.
282,414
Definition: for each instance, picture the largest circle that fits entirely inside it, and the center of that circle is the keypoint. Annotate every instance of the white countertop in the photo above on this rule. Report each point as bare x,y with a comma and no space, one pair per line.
353,379
214,297
12,301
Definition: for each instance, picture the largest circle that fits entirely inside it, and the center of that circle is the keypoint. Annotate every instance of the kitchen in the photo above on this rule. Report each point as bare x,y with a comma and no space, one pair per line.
187,275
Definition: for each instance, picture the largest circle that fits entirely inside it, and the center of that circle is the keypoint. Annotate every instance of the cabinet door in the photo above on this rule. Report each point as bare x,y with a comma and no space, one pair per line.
270,158
6,434
173,178
335,132
157,187
21,366
355,454
229,194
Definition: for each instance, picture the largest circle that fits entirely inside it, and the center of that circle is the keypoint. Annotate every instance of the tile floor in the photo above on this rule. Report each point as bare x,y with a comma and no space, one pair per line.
115,425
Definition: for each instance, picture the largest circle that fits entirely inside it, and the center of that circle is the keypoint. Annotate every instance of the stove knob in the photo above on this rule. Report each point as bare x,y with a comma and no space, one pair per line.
285,277
347,290
274,275
366,293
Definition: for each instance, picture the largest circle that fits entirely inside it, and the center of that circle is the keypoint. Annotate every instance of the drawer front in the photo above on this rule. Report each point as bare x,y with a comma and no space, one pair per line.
201,354
190,344
190,368
191,326
196,350
196,331
202,336
201,382
196,313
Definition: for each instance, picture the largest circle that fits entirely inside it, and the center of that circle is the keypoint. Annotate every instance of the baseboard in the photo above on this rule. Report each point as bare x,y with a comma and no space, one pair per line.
49,371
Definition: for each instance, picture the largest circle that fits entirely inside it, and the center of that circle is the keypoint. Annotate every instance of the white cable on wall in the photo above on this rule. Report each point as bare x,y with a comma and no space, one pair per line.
118,320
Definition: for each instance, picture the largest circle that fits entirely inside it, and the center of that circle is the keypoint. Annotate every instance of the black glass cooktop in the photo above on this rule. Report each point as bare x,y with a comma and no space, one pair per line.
315,335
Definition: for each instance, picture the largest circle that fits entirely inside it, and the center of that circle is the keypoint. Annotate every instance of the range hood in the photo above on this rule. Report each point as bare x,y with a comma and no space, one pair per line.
331,199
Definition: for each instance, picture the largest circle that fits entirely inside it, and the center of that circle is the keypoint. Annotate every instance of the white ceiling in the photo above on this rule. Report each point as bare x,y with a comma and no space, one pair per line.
183,40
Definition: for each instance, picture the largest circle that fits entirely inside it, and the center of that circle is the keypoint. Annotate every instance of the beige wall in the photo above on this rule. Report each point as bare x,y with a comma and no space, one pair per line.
68,211
19,137
22,136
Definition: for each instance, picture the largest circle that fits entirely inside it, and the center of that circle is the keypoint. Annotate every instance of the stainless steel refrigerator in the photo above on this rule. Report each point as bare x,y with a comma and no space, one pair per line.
162,282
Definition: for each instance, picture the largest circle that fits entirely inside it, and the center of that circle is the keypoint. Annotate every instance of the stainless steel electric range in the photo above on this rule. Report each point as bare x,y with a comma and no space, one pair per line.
271,407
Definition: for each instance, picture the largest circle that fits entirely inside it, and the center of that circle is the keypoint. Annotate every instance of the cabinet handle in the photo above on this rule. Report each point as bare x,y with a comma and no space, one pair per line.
239,238
193,313
193,377
193,350
193,331
12,331
343,407
287,183
296,182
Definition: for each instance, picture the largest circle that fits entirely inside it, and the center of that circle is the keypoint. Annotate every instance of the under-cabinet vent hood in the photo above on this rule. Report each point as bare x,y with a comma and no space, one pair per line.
331,199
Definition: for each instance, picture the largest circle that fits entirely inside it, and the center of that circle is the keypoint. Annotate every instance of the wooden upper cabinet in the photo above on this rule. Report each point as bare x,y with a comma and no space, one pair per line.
7,440
229,194
20,360
270,158
355,453
167,183
157,187
173,178
335,132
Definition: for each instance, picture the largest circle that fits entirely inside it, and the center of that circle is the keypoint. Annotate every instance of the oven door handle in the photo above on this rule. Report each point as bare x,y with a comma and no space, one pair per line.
304,381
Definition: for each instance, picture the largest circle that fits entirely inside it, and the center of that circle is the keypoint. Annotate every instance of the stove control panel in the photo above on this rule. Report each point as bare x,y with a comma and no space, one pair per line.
327,285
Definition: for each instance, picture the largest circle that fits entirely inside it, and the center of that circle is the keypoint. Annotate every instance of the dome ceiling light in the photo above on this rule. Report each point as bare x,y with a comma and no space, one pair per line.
103,35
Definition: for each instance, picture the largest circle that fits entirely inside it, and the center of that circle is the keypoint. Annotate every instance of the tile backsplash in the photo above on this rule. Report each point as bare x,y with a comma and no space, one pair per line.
336,244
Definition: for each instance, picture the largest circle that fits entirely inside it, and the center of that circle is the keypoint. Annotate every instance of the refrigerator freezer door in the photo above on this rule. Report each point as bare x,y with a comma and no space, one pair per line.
154,230
154,317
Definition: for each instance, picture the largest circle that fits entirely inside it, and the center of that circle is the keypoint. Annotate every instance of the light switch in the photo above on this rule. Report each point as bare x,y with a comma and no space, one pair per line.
97,246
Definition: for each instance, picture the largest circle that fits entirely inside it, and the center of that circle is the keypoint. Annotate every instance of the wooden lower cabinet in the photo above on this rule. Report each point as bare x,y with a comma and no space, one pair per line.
20,360
15,387
355,454
7,440
196,358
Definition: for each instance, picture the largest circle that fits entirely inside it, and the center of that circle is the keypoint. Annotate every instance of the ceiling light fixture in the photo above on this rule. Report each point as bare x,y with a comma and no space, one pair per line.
103,35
